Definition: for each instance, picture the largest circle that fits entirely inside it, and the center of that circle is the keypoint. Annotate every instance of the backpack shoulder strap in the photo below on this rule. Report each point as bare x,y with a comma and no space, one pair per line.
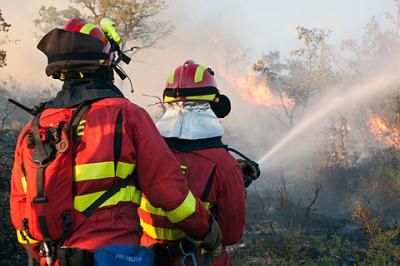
121,183
42,160
208,186
207,190
76,117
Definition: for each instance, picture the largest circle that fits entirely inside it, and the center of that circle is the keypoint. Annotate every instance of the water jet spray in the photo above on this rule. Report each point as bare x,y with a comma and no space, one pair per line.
357,93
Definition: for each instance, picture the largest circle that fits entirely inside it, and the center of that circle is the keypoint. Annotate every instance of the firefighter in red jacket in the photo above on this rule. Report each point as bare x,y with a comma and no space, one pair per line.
191,128
81,56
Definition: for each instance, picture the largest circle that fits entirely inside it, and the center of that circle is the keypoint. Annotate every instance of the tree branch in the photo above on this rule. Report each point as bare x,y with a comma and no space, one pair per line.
317,189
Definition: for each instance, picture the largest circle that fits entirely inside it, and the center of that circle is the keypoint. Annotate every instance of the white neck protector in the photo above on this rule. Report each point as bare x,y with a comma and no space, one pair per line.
189,120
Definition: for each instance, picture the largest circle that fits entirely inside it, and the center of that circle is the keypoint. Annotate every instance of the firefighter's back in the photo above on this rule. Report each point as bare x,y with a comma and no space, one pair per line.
116,222
215,177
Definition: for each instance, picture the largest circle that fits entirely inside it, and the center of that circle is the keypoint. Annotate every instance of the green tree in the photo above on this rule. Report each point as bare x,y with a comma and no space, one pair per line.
135,20
305,73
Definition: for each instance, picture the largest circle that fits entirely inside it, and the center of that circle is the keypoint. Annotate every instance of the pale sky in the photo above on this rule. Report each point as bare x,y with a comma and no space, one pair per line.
257,25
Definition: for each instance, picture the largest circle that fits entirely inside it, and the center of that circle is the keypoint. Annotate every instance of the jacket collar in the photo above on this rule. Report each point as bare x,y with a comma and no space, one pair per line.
188,145
76,91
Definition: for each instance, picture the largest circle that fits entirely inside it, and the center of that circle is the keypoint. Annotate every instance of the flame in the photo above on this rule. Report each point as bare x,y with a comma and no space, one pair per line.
254,89
384,133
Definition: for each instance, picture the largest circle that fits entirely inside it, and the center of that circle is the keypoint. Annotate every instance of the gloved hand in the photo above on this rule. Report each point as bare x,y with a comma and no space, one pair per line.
251,171
211,245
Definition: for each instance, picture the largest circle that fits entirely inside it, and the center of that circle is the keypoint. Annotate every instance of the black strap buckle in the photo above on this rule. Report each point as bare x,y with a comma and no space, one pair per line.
40,200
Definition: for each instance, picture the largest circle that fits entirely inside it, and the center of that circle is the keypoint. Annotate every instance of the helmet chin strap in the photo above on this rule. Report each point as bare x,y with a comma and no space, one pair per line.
103,72
108,27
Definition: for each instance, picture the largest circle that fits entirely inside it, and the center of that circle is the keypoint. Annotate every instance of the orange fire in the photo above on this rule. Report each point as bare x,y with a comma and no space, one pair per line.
384,133
254,90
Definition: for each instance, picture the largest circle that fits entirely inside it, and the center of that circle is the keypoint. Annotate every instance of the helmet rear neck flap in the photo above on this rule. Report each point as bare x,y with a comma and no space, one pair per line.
83,50
71,51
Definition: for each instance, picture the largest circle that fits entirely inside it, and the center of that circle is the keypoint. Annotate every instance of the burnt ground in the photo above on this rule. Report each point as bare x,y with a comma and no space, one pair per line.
10,252
289,236
273,235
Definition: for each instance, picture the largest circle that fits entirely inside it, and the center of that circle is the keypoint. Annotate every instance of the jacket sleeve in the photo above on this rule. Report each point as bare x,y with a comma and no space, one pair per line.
231,209
161,180
18,188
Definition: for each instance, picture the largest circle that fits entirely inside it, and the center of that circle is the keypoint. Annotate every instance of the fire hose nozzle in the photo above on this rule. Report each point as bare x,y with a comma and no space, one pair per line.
251,171
108,27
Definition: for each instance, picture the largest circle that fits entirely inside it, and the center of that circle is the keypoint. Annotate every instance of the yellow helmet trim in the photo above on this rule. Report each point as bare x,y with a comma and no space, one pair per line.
87,28
209,97
198,76
171,77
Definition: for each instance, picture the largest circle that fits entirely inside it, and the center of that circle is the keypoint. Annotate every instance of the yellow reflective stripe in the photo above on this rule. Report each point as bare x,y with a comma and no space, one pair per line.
126,194
23,239
83,172
87,28
209,97
80,128
198,76
24,184
168,99
183,167
124,169
207,205
92,171
162,233
171,77
146,206
183,211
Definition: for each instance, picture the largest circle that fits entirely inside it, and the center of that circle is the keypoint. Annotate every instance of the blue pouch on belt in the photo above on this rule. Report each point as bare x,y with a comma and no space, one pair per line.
124,255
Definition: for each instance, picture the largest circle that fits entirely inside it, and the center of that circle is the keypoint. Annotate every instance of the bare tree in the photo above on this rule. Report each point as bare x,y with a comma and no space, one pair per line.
317,189
4,27
6,109
338,153
283,191
135,20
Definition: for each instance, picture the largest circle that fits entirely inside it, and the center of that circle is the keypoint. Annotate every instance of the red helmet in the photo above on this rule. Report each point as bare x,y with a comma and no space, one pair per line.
191,82
80,25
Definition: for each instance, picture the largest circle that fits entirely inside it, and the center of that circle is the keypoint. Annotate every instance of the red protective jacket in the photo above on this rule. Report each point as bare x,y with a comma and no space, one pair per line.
159,177
227,196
